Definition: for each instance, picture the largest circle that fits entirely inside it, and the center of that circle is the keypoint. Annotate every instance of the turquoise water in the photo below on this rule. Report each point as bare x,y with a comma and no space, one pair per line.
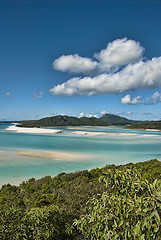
132,146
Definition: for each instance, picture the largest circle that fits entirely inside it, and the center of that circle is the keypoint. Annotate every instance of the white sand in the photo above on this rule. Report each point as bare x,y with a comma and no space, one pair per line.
53,154
153,130
32,130
102,134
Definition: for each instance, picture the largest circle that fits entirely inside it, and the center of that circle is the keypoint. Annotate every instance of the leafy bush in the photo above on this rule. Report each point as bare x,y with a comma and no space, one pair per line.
129,209
127,203
37,223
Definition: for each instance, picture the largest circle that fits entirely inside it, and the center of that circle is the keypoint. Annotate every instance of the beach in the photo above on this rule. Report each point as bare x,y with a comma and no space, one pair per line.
32,130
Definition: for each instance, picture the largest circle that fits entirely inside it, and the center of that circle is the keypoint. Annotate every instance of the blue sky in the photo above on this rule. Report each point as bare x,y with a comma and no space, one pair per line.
80,58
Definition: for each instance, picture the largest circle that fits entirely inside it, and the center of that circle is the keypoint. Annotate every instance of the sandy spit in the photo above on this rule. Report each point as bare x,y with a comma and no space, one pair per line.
153,130
53,154
102,134
32,130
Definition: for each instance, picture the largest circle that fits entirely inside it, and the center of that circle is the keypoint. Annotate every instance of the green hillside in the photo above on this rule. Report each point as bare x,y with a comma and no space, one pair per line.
116,120
63,121
107,119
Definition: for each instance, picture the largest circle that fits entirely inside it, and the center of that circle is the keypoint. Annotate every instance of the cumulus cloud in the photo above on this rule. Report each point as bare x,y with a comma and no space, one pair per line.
74,64
127,100
103,112
155,98
119,68
141,75
119,53
38,95
93,114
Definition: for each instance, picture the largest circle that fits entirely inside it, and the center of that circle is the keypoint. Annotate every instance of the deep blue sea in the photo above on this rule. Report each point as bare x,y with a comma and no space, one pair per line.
97,146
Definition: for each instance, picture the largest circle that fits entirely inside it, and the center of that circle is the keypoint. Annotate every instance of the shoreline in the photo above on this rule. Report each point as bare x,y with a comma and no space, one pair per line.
87,133
31,130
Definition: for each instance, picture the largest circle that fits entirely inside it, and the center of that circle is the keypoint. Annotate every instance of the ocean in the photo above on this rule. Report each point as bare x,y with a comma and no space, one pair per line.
27,155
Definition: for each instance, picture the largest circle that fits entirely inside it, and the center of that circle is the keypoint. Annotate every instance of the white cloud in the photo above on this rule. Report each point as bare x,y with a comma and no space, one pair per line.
89,115
74,64
129,113
155,98
123,113
135,73
7,94
96,115
38,95
119,53
93,114
103,112
127,100
141,75
81,115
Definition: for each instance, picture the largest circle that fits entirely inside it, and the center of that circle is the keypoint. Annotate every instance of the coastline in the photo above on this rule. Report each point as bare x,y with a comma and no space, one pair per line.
31,130
87,133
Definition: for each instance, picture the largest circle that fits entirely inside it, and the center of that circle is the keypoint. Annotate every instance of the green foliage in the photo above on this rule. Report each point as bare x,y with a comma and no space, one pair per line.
147,125
36,223
116,120
46,208
63,121
129,209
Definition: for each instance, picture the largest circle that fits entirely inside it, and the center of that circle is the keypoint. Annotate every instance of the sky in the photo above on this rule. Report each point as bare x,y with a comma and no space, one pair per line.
80,58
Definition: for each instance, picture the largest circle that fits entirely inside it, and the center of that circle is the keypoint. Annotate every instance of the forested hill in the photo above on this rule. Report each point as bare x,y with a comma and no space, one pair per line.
63,121
107,119
147,125
116,120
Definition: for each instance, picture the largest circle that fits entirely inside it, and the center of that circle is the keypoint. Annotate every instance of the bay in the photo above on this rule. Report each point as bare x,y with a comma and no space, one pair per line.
26,155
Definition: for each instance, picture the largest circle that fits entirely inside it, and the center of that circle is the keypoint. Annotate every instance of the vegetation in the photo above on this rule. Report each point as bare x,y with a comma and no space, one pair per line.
63,121
129,209
147,125
114,202
107,119
116,120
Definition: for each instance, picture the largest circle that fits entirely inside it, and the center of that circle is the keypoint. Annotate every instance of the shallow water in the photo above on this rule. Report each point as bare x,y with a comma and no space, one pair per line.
116,146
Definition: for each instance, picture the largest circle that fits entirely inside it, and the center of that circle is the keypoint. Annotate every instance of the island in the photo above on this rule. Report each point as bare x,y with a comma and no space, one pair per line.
63,120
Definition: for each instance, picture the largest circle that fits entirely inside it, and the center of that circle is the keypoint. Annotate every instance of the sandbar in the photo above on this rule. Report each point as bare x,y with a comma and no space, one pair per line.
103,134
54,155
32,130
153,130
